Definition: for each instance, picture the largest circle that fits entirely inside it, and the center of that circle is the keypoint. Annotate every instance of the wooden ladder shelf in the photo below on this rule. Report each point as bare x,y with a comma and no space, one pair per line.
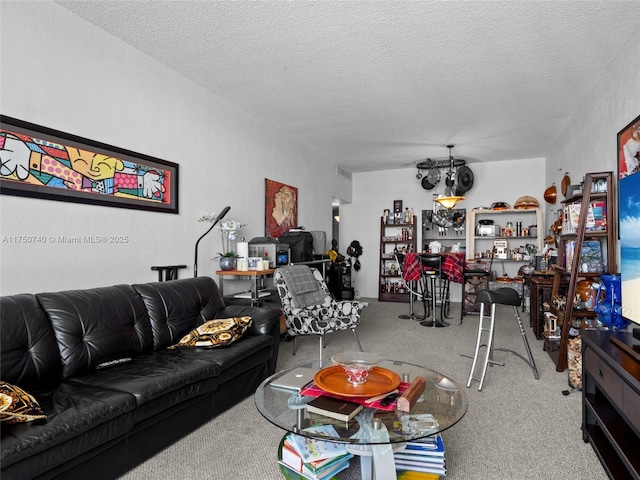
607,239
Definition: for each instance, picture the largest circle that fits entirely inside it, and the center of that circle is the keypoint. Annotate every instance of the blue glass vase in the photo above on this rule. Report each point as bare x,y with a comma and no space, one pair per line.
609,308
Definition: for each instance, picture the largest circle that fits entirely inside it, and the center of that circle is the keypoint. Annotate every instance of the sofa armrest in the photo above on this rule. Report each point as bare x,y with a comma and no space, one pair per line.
265,320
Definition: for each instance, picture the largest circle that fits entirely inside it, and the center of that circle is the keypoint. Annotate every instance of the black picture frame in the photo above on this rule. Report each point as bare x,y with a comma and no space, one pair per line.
623,136
45,163
628,144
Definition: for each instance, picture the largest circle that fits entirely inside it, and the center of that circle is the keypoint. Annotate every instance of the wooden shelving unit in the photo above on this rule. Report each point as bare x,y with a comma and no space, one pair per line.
394,236
597,187
480,244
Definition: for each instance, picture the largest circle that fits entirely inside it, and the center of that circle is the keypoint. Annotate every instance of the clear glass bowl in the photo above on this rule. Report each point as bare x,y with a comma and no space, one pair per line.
357,365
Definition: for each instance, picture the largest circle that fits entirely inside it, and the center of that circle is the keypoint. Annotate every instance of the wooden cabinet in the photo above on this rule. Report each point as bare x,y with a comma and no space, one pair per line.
394,237
541,287
586,249
512,257
611,400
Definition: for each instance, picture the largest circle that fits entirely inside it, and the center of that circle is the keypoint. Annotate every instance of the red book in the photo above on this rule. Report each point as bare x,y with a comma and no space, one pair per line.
291,458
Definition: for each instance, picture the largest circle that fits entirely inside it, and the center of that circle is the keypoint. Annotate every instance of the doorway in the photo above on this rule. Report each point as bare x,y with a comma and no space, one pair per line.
335,221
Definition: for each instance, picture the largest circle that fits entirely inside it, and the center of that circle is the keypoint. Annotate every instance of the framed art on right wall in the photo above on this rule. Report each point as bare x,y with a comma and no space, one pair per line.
629,211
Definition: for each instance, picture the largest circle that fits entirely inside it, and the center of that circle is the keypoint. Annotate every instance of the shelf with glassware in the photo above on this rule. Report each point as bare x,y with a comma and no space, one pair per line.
394,237
447,227
586,250
511,236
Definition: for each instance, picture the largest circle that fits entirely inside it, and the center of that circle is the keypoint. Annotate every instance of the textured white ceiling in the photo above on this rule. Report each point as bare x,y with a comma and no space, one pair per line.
384,84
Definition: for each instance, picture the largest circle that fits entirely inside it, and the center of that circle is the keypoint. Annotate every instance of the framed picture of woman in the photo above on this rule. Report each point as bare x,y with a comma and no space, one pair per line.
281,208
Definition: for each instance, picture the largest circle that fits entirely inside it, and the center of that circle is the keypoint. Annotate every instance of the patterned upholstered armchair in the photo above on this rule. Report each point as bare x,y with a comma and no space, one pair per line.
309,308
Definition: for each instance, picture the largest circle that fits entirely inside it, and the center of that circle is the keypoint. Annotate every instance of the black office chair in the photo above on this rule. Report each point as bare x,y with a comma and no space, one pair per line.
436,292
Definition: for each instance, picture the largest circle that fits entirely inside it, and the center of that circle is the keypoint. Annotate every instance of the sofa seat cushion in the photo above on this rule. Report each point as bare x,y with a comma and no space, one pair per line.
245,354
152,376
265,322
79,418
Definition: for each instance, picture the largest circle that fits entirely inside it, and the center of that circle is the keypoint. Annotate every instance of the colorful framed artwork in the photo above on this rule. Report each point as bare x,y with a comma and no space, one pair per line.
40,162
629,218
281,208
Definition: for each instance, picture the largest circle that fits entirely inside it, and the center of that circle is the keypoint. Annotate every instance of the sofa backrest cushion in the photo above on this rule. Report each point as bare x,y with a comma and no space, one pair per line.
28,351
178,306
97,325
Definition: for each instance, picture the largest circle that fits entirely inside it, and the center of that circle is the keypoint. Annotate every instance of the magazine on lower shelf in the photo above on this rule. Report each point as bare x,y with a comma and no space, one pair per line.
295,475
311,449
291,459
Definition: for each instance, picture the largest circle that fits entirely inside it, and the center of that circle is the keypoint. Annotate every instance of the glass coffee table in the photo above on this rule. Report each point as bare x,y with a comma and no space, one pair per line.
373,434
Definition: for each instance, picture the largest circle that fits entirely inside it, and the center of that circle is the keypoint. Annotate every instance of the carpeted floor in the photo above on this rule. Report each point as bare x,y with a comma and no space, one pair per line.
517,427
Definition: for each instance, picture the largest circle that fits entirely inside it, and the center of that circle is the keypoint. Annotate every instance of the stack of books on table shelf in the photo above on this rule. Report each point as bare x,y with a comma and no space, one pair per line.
425,455
311,458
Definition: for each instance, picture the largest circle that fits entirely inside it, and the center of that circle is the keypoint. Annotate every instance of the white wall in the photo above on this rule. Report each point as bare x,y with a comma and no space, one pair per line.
375,191
589,142
587,145
61,72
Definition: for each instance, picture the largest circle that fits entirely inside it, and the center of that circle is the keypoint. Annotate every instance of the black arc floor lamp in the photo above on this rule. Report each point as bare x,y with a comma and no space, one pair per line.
215,222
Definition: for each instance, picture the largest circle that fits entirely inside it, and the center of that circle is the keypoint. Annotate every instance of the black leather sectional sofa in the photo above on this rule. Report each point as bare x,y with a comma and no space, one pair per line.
103,420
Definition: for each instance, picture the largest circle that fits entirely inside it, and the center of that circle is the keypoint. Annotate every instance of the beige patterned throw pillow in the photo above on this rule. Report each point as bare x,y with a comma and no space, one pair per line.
215,333
17,406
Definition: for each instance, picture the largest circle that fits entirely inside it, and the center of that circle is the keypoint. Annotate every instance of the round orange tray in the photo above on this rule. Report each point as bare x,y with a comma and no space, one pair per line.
334,380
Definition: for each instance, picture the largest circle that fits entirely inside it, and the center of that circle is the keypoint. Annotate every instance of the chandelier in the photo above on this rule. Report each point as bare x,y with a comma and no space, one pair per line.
449,202
450,199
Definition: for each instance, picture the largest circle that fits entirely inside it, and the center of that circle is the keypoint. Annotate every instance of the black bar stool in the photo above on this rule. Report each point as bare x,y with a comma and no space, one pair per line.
501,296
436,290
474,279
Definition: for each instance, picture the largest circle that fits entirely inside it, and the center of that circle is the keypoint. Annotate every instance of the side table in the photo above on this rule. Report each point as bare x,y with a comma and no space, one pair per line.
255,295
443,400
